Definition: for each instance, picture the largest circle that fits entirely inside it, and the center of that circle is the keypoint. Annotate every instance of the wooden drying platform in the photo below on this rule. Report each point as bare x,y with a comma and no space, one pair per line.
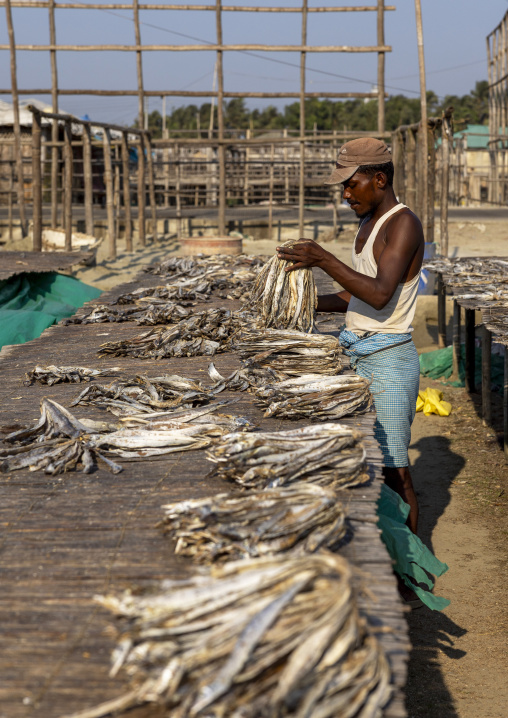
493,326
12,263
67,538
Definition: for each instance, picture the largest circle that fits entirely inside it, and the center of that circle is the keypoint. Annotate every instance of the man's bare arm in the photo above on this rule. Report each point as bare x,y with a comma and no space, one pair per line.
333,302
403,242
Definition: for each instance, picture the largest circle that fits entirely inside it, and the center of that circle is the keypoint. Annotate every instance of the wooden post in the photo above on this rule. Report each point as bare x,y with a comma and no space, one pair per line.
116,193
301,195
270,194
9,199
246,170
88,179
469,331
380,67
411,170
446,139
456,340
108,181
486,376
431,185
424,149
286,169
126,192
17,129
68,159
398,164
54,123
151,185
441,311
178,199
220,118
141,193
36,183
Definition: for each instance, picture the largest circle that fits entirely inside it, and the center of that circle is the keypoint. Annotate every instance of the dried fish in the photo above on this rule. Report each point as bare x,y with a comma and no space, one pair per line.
316,397
152,313
205,333
143,394
290,352
242,379
301,517
285,300
268,637
73,374
330,455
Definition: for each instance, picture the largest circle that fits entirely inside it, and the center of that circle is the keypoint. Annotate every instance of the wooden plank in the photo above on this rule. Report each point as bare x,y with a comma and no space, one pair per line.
13,263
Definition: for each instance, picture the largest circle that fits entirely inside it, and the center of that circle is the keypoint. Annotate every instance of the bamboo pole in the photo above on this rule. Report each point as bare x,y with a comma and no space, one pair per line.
410,170
446,139
141,193
431,184
220,119
381,67
424,149
54,125
177,191
191,93
9,200
17,129
486,376
270,193
116,193
139,65
108,181
68,159
234,8
36,183
126,192
88,179
219,47
301,193
398,164
151,185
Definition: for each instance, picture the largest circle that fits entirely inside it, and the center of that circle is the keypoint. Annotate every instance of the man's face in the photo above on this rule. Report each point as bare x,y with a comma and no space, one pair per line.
361,192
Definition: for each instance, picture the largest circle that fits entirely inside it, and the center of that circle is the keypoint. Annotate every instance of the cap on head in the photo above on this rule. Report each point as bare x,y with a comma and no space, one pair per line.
354,154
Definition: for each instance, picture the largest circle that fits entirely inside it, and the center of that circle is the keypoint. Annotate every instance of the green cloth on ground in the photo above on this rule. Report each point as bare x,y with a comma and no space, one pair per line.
438,364
31,302
412,559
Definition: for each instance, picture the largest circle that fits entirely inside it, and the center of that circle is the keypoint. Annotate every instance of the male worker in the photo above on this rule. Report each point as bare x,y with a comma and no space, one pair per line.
379,297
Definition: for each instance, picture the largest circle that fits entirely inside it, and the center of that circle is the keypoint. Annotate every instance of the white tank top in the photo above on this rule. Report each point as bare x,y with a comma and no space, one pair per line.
397,315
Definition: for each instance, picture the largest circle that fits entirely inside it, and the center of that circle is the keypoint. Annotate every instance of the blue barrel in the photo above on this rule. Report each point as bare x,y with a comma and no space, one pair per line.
427,279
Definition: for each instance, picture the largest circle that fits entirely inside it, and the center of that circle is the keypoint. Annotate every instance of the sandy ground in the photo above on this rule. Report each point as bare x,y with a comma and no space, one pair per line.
458,664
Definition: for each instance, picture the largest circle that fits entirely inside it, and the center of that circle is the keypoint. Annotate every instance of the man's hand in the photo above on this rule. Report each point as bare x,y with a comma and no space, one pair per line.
304,254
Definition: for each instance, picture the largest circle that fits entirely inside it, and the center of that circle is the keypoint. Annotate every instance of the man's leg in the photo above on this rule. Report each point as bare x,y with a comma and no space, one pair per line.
399,480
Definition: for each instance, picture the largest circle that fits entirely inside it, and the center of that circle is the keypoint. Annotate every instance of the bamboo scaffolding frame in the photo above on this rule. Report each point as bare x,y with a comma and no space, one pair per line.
68,172
126,192
226,8
110,203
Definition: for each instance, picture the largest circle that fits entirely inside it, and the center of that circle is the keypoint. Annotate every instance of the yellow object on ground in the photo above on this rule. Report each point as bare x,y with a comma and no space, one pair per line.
431,401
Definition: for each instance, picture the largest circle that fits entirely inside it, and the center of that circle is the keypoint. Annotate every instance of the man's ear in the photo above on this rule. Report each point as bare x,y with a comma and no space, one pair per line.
381,179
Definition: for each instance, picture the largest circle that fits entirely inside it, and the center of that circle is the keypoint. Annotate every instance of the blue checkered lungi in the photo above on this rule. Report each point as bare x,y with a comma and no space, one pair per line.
393,367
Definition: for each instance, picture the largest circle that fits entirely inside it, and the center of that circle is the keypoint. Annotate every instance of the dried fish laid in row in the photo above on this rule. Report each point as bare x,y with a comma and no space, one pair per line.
195,292
268,637
299,518
316,397
285,300
243,379
178,419
192,266
330,455
291,352
166,313
52,374
205,333
58,442
142,394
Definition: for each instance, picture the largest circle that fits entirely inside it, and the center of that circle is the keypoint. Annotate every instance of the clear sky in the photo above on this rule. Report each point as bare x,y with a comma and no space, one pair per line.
454,38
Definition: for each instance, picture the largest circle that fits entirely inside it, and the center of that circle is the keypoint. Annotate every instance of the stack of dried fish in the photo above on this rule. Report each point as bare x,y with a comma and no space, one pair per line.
152,313
158,420
316,397
73,374
205,333
285,300
142,394
329,455
300,518
192,266
242,379
58,442
290,352
263,637
184,291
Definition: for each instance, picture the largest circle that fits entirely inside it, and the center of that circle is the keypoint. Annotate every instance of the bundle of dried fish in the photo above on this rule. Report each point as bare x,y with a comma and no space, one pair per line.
316,397
262,637
299,518
142,394
290,352
177,419
130,443
73,374
328,455
285,300
242,379
152,313
205,333
58,442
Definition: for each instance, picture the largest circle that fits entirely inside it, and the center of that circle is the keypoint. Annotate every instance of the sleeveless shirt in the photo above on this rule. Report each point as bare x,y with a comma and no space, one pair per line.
397,315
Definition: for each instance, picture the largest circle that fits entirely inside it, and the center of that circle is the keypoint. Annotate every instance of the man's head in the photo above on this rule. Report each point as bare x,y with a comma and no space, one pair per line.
365,168
366,155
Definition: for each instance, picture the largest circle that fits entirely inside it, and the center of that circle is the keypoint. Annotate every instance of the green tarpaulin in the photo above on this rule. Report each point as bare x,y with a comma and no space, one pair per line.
438,365
31,302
